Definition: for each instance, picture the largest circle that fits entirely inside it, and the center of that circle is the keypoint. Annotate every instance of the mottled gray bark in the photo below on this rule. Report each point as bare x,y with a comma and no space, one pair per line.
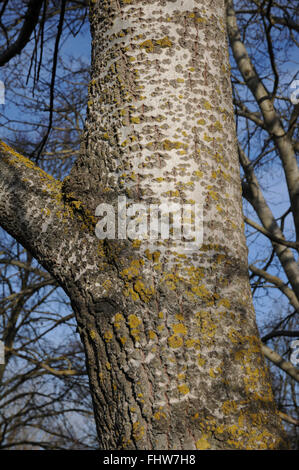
172,349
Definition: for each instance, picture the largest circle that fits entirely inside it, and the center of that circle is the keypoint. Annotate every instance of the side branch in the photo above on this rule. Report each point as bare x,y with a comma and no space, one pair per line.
35,211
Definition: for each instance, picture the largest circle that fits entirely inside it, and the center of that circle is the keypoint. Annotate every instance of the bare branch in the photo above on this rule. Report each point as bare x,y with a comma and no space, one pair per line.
31,19
275,334
286,366
289,293
270,116
272,237
288,419
253,193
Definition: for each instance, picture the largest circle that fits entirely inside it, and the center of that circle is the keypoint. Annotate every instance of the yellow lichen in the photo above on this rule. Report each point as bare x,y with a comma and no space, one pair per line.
138,431
135,333
148,45
136,243
107,284
133,270
143,292
207,105
135,119
108,335
168,145
198,173
183,389
203,443
213,195
224,302
229,407
179,328
164,42
134,321
93,334
152,335
218,125
118,319
179,317
175,341
200,360
158,415
207,138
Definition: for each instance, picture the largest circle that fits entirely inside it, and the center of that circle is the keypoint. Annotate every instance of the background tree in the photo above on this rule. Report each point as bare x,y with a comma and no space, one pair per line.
243,13
264,57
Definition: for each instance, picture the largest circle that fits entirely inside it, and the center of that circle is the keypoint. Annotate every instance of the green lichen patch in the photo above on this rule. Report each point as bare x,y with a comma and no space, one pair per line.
149,45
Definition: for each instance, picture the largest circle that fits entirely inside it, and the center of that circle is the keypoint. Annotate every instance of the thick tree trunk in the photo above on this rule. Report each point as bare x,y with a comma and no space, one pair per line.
172,348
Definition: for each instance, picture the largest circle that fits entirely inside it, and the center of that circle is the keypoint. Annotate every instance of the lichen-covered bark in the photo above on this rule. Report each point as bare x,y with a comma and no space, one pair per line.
172,348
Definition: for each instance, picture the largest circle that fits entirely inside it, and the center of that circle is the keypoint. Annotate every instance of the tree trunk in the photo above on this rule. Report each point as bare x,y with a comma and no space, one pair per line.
172,349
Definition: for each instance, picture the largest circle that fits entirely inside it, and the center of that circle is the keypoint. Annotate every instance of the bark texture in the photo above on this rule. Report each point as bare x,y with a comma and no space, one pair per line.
172,349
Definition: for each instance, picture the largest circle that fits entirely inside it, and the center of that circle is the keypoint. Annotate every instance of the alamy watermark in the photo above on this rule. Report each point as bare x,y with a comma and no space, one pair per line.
294,97
2,359
2,93
179,224
294,357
